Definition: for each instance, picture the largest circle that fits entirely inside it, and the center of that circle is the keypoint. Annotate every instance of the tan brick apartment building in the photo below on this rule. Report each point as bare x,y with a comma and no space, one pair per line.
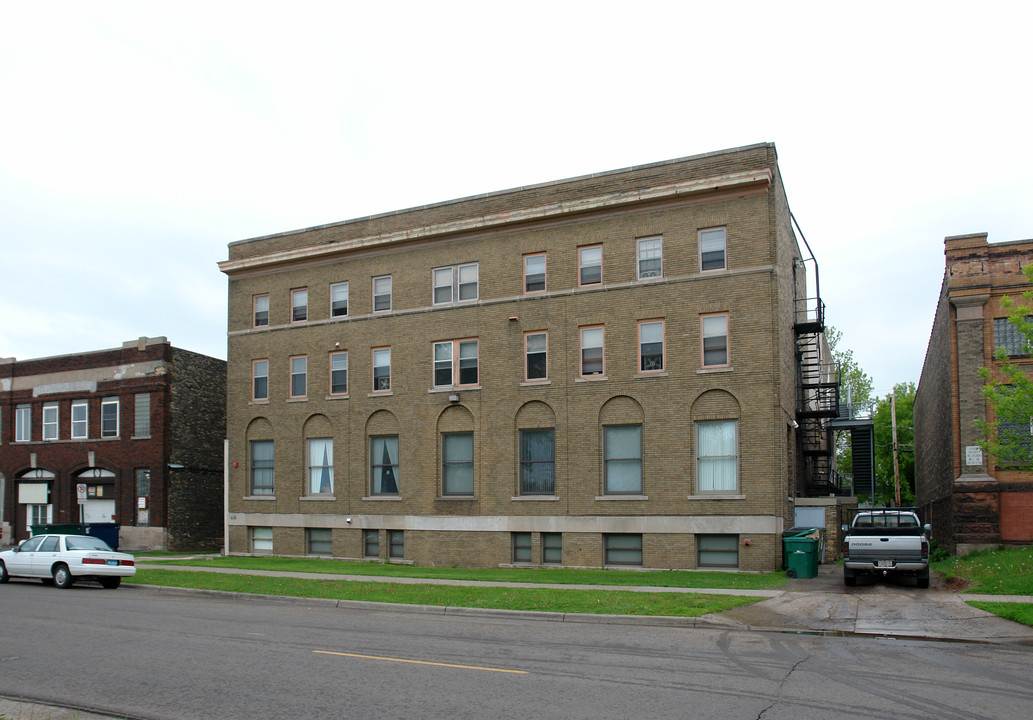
140,427
588,372
971,499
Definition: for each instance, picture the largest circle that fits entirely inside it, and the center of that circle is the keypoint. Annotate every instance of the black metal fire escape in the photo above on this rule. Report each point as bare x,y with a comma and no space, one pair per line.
819,412
817,402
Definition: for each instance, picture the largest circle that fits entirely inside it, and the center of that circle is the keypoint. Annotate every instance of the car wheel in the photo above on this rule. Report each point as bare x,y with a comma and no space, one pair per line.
111,583
4,576
62,577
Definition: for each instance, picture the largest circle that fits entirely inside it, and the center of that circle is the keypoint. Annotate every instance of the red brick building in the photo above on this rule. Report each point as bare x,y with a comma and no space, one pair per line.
139,428
971,499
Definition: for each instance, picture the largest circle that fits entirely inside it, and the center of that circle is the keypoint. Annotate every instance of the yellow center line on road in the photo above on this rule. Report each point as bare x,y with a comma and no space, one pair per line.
420,662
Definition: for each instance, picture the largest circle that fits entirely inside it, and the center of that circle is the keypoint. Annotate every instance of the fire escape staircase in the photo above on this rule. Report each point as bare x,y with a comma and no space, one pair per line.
817,403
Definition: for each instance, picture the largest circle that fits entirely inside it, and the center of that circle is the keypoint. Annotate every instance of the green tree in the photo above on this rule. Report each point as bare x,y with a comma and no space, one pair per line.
883,420
1010,392
855,388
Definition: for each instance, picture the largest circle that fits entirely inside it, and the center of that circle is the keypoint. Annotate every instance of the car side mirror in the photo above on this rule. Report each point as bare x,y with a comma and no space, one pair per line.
927,527
844,528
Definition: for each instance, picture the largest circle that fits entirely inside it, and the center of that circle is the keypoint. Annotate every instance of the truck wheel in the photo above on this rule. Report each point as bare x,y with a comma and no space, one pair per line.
922,580
849,579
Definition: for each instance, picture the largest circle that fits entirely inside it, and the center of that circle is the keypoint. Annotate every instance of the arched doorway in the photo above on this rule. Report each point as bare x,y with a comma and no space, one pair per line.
33,502
99,506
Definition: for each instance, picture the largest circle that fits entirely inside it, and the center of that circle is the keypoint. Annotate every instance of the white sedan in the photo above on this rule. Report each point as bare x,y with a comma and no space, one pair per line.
63,559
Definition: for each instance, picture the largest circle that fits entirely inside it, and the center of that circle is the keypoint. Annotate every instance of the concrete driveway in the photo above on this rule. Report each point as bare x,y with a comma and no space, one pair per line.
879,607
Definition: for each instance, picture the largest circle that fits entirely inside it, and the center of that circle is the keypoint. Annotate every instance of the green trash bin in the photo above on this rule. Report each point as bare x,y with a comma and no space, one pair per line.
57,529
801,556
793,533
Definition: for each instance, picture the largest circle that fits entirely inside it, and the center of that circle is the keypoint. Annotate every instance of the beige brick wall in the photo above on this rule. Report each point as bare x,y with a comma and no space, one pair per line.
757,388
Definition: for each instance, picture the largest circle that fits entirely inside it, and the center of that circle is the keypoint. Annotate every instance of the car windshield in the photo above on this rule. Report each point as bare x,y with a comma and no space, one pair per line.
83,542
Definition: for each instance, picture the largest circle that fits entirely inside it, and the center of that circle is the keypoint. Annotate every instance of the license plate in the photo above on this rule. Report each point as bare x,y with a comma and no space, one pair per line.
884,563
112,562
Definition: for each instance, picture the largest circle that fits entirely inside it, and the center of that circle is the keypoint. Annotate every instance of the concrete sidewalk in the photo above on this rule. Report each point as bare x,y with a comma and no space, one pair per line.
820,605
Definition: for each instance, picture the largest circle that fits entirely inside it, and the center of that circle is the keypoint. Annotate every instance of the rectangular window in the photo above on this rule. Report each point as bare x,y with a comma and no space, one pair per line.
651,345
381,369
143,492
50,421
534,273
1007,336
457,463
109,417
521,547
23,423
717,456
650,257
590,265
623,549
537,462
458,283
536,356
552,548
142,415
383,465
717,551
261,310
371,543
623,459
446,372
1015,438
299,305
396,544
262,540
591,351
321,466
80,420
712,249
339,373
261,467
299,376
339,300
319,541
382,293
259,379
714,329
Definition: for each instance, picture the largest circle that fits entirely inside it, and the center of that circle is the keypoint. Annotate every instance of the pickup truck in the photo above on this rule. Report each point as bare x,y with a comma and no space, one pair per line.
886,542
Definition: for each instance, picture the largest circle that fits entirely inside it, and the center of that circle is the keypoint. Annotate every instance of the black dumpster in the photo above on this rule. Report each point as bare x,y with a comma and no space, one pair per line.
108,532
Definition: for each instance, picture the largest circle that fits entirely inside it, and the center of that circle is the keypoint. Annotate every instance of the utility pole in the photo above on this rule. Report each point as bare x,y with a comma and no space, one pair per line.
896,462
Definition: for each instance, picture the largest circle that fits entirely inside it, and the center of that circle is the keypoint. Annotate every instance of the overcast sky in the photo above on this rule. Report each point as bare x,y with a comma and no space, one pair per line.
140,138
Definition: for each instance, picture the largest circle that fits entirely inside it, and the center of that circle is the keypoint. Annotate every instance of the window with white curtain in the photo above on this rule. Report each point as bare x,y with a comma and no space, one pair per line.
623,454
80,420
717,456
50,421
321,466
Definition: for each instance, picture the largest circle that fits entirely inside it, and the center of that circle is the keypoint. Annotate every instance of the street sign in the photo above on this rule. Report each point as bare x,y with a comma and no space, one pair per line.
80,493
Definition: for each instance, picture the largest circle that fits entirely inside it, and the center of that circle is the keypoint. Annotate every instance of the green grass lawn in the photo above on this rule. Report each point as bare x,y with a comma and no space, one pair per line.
561,576
1002,571
565,600
607,602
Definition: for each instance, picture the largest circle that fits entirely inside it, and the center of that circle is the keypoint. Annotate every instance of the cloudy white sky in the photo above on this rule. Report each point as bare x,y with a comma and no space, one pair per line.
140,138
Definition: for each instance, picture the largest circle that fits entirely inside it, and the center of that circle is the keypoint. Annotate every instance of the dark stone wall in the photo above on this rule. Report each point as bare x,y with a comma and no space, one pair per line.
933,417
196,432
